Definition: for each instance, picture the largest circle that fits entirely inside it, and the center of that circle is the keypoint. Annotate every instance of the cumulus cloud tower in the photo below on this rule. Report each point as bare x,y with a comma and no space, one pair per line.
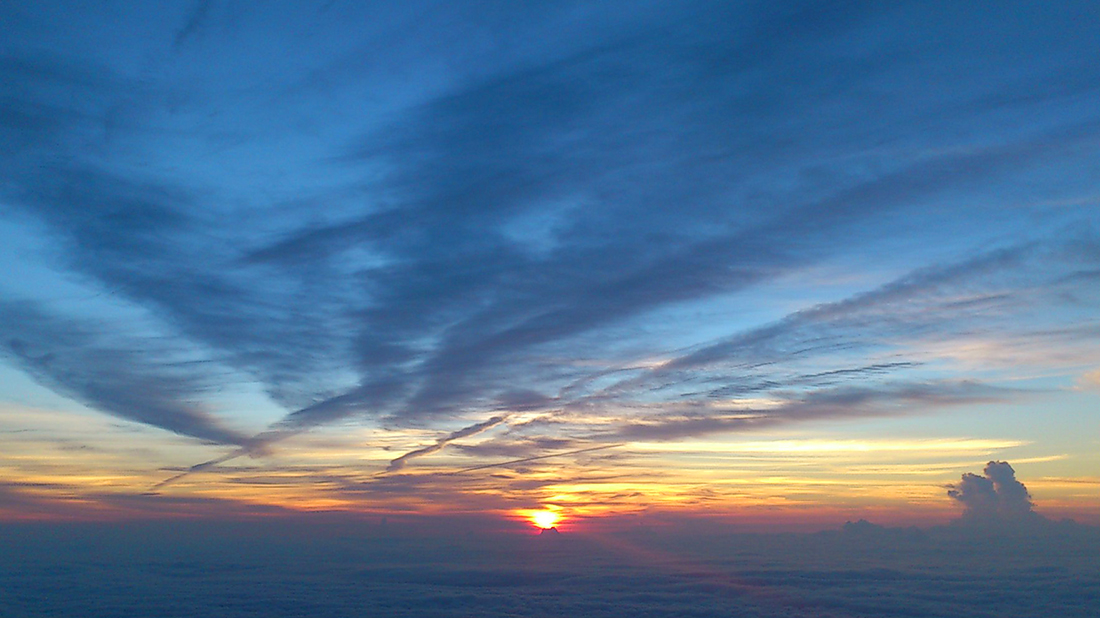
994,496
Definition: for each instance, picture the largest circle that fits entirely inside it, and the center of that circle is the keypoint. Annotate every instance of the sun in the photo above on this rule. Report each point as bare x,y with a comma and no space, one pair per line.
544,519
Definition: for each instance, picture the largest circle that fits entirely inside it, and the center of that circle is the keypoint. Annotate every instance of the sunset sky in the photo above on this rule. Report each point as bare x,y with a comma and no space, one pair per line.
776,266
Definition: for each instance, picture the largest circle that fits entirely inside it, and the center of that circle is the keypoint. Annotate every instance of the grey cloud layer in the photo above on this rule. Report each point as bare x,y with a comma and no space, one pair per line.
345,570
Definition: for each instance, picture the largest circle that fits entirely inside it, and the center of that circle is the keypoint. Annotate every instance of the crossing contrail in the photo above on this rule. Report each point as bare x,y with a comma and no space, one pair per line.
513,462
465,432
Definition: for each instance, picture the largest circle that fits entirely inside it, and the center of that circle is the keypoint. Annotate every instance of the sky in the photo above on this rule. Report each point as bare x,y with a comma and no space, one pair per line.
776,265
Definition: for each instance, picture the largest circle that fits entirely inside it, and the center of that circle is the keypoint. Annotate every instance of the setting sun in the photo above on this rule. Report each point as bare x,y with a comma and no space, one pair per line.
544,519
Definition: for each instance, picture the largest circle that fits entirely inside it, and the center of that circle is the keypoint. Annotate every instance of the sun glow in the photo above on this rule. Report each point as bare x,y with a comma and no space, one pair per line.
544,519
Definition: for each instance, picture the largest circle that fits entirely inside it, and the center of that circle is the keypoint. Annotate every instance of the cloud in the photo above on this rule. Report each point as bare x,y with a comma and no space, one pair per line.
994,497
1090,380
828,403
913,305
916,292
198,15
122,376
501,300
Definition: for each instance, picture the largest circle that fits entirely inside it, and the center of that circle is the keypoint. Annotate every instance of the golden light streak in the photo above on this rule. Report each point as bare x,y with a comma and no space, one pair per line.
73,462
830,446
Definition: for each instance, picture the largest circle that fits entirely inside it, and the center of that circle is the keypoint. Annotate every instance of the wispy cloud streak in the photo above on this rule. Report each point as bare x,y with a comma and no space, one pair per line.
122,376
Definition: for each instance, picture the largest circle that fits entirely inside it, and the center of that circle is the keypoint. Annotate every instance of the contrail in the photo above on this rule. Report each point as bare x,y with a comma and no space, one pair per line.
199,468
257,445
505,464
299,421
266,438
465,432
